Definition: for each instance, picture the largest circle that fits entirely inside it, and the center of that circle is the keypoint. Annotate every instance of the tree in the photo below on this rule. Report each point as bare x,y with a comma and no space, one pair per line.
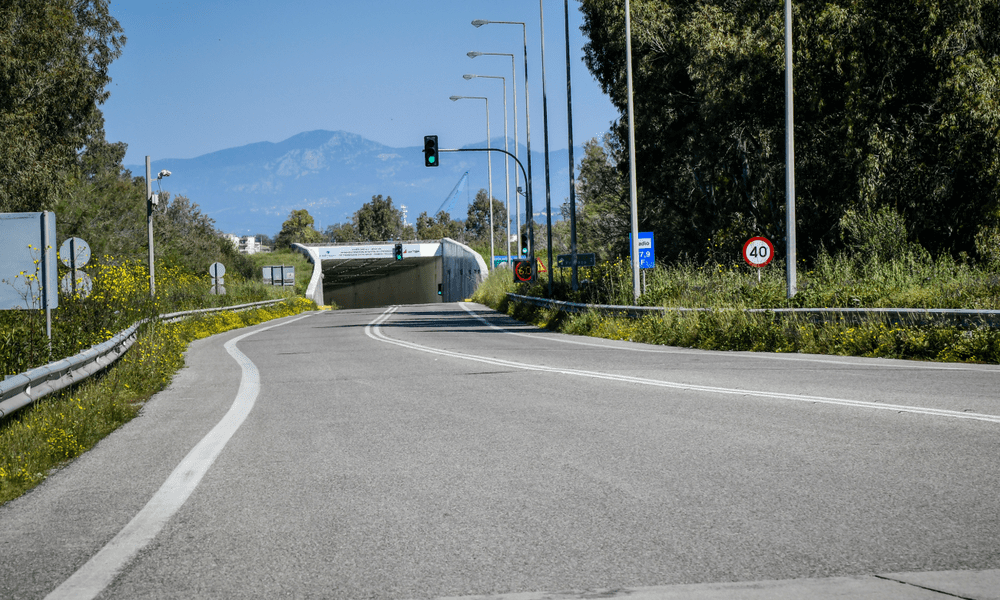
298,228
441,226
379,220
897,106
341,232
603,208
54,59
477,225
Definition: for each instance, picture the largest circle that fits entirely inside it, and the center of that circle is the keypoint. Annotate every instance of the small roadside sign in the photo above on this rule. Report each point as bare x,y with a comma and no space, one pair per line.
588,259
758,252
74,253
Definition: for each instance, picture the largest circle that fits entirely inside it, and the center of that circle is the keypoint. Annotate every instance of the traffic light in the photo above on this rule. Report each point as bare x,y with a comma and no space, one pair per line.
398,252
430,150
524,244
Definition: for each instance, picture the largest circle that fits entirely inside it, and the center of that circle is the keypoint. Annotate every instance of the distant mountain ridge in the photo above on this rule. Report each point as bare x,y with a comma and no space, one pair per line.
253,188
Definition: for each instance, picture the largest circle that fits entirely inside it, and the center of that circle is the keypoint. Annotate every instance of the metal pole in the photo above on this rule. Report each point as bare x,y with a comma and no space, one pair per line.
517,200
529,199
46,276
506,169
545,130
489,167
631,154
149,226
572,166
789,158
72,264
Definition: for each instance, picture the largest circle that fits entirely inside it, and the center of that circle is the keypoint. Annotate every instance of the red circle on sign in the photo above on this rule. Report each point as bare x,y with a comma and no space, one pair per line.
758,251
522,270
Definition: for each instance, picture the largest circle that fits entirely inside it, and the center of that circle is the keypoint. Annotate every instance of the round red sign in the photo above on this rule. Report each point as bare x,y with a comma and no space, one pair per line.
758,251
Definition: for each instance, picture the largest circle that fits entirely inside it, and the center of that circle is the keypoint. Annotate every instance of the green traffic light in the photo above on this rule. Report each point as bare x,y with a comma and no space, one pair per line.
431,159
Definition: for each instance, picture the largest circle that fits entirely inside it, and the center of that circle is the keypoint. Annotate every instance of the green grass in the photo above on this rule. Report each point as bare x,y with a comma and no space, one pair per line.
62,426
915,281
303,268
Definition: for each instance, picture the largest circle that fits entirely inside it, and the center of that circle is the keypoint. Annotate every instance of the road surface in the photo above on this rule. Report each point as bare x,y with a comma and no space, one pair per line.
445,450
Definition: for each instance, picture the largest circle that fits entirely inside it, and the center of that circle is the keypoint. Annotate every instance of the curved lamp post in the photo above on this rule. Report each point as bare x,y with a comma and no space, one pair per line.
489,163
506,161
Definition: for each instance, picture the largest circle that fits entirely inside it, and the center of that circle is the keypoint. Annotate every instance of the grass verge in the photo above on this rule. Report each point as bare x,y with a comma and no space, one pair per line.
62,426
732,328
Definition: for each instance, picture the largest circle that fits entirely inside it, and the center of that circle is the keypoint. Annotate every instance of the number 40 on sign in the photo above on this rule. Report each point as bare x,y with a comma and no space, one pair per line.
758,252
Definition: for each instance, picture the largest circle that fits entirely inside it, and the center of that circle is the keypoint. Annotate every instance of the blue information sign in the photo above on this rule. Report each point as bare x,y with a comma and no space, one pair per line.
647,256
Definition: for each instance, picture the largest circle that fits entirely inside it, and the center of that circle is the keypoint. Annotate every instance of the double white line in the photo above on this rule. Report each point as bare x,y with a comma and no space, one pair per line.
373,330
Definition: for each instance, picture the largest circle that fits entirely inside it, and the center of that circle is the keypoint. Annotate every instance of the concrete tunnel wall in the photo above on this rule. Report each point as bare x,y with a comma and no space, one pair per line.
462,270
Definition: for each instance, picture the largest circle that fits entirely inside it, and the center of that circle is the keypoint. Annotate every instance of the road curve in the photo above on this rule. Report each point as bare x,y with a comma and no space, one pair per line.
446,450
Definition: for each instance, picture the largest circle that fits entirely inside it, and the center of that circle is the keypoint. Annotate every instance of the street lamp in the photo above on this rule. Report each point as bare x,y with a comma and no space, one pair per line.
633,202
489,163
506,160
151,201
545,136
528,203
517,174
572,165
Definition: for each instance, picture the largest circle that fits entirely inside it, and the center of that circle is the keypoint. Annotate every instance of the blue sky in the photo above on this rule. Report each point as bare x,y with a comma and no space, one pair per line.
201,76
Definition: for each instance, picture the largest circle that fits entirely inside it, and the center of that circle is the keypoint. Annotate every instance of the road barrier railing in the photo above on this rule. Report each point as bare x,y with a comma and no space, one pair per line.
852,316
18,391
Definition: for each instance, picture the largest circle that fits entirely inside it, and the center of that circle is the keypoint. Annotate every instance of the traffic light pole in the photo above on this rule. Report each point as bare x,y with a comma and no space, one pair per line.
527,203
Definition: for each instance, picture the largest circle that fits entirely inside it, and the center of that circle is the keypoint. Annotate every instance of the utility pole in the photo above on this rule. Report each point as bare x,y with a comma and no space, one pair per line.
149,225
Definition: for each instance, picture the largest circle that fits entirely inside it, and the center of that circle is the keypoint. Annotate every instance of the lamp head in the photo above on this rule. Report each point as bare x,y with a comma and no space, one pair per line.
163,173
453,98
480,22
473,54
469,76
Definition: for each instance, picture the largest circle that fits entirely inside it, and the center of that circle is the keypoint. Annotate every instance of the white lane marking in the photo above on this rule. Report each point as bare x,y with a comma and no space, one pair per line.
373,330
745,354
98,573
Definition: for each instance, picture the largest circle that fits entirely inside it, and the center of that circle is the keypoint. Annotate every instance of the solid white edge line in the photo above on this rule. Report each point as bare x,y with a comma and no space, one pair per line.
846,362
374,331
98,573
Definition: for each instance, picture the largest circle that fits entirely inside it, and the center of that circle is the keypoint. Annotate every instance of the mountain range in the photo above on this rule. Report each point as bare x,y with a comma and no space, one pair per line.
252,189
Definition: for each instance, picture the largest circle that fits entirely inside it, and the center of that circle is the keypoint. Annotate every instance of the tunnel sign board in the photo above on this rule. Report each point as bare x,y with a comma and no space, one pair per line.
758,251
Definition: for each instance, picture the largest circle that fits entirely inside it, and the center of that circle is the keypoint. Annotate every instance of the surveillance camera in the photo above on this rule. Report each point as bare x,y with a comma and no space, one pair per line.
163,173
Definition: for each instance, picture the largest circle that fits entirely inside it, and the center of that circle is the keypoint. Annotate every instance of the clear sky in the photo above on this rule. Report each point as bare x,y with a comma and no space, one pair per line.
200,76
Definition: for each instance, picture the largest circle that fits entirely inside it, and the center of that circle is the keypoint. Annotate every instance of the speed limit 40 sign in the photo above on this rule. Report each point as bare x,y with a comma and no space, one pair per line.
758,251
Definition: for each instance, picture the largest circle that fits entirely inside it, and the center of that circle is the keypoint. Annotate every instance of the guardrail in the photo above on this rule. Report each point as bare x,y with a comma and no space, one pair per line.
20,390
908,316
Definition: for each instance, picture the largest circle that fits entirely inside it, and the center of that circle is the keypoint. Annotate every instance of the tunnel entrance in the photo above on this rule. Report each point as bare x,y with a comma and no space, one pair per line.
368,275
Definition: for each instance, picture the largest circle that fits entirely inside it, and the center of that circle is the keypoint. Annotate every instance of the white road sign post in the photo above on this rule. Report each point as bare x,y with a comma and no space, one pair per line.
217,270
758,252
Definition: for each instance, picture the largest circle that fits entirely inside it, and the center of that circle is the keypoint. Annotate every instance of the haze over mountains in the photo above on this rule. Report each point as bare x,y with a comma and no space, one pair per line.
252,189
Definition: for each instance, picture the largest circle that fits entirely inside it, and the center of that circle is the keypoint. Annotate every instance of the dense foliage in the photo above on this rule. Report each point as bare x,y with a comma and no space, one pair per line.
54,59
897,112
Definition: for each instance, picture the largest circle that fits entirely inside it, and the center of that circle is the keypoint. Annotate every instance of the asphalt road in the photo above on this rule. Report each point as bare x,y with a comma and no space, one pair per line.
445,450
